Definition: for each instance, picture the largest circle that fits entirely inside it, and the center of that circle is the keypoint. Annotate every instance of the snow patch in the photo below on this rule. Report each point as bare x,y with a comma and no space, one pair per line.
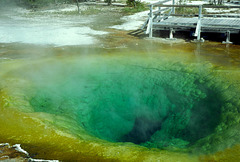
18,148
149,1
69,8
197,2
214,10
4,58
4,144
132,22
39,160
20,10
135,21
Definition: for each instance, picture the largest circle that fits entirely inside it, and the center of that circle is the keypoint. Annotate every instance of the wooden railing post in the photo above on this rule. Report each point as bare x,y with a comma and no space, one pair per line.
159,8
173,8
150,21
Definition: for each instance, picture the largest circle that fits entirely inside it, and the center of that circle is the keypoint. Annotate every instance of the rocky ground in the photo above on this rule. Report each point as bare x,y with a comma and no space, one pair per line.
15,153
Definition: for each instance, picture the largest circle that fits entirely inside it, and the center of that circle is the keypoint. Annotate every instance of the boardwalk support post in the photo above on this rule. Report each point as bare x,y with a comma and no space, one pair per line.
171,34
199,24
150,22
227,38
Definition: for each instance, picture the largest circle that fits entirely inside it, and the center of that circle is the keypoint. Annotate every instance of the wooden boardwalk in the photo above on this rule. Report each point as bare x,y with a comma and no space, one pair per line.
207,25
229,24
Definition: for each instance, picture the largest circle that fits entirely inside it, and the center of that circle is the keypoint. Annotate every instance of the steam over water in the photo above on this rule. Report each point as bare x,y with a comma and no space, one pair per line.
121,101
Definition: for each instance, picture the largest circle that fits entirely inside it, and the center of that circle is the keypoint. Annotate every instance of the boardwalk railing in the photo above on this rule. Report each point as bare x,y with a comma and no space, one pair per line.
156,17
152,16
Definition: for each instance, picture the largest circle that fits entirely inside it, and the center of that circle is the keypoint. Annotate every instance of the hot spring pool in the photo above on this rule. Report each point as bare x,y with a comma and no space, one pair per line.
78,103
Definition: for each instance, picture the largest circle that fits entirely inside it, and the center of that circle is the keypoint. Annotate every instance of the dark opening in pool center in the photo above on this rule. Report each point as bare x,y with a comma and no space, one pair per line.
150,107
